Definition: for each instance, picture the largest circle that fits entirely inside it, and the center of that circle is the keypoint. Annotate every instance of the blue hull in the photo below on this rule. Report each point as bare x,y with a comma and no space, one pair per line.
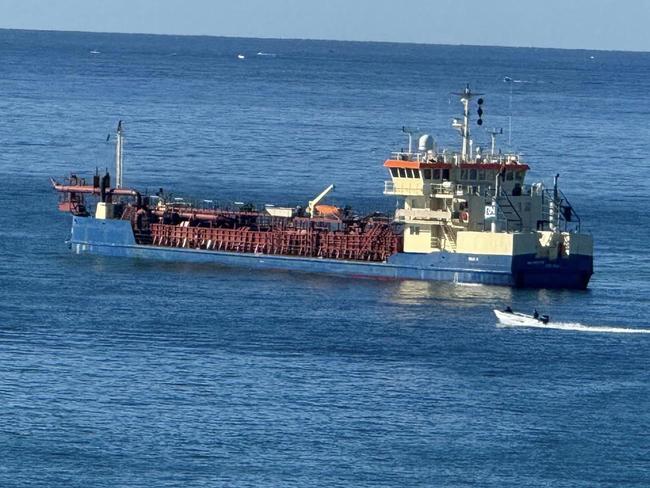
115,238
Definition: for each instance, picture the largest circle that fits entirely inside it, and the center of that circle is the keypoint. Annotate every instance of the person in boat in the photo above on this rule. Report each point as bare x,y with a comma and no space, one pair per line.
508,310
535,314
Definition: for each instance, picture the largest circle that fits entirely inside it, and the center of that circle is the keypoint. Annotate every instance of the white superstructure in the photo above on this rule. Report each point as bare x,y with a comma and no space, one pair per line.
476,201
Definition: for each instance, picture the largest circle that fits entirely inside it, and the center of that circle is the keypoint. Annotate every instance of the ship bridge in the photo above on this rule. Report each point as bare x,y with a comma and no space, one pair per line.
415,175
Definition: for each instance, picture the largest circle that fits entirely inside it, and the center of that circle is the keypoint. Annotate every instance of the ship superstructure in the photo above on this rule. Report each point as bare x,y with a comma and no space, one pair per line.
476,202
466,216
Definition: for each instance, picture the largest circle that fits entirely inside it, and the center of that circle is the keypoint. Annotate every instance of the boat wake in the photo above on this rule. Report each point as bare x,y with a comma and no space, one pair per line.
508,79
578,327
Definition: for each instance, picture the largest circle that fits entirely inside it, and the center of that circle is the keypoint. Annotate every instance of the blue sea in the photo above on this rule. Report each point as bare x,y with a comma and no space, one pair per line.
127,373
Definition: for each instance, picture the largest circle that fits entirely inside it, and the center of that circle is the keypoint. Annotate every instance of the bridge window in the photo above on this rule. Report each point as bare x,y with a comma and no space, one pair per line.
436,174
509,175
472,174
445,174
414,230
427,174
394,172
402,173
416,173
519,176
463,174
481,175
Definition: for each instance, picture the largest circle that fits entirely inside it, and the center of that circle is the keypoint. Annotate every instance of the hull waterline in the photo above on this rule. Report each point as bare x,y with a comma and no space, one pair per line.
115,238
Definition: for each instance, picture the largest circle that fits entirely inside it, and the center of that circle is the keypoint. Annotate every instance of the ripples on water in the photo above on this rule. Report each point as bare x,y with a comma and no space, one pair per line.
129,373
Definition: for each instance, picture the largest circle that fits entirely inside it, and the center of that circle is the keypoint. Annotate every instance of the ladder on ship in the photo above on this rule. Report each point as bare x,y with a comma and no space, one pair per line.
449,238
507,213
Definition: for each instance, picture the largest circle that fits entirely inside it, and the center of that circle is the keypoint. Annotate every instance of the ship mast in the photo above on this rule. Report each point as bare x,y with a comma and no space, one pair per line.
465,96
119,156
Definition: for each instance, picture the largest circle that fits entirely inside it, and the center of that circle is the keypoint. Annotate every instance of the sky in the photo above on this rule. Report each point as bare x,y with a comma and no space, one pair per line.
581,24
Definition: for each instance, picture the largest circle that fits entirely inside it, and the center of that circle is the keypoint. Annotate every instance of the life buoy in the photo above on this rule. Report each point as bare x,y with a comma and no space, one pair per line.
464,217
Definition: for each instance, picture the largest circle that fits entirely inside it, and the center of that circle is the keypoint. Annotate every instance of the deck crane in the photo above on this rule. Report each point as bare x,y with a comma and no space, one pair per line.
311,206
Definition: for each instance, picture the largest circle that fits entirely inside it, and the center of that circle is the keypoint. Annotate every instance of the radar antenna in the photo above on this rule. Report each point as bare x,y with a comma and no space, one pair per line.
497,131
410,131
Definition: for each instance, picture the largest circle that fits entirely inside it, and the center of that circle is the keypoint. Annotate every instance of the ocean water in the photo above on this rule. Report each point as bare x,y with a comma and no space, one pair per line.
131,373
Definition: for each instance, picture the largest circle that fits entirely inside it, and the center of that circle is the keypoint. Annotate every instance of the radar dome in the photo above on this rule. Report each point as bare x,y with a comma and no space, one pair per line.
425,143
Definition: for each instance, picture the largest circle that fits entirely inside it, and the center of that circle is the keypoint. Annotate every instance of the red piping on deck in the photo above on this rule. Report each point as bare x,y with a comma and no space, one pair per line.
375,244
92,189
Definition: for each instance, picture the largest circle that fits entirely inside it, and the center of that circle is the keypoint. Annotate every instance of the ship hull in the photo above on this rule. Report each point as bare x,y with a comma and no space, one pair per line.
115,238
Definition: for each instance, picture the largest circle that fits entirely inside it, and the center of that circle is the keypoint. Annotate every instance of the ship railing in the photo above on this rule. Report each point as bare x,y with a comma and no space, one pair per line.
572,214
416,188
534,189
477,190
419,188
455,158
488,191
506,158
452,189
426,214
564,216
427,157
408,156
443,188
460,190
423,157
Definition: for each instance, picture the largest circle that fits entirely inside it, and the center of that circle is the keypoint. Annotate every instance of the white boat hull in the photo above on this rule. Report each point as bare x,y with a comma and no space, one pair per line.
515,318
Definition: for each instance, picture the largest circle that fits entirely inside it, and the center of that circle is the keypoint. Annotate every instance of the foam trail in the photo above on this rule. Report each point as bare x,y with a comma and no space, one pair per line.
575,326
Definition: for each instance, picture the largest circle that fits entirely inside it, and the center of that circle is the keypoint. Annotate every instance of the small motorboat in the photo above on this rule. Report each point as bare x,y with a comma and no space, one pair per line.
509,317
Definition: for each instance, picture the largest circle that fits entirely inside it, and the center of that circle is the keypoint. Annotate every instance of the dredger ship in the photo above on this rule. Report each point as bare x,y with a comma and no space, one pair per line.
466,216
